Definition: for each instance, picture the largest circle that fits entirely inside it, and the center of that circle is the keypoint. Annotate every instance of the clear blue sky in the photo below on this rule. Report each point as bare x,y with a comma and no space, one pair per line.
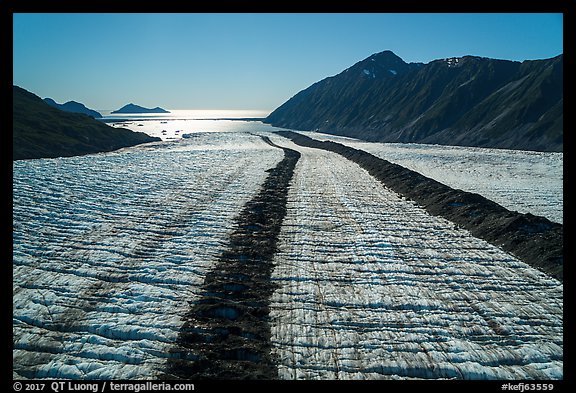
245,61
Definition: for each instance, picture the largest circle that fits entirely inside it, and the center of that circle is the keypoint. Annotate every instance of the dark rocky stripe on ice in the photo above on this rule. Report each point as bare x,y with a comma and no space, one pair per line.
226,333
534,240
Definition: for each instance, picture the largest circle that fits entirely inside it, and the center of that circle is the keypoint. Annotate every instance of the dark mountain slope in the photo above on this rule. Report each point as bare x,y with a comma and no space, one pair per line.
469,101
40,131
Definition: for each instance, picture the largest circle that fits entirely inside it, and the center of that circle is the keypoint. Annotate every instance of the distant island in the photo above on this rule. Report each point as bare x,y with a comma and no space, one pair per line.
465,101
132,108
74,107
41,131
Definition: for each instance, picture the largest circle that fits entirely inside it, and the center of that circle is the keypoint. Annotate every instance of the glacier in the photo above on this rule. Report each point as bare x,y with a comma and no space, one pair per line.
110,250
372,287
524,181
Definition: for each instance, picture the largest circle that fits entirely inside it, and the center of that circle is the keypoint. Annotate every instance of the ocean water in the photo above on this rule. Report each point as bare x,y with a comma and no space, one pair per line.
171,126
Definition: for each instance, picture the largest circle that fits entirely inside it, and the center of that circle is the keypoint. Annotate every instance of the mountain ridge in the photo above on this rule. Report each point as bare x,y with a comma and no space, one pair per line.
74,107
41,131
466,101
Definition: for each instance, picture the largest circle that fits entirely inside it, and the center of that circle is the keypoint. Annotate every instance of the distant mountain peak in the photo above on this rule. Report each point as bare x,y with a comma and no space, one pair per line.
386,55
73,107
383,58
133,108
379,65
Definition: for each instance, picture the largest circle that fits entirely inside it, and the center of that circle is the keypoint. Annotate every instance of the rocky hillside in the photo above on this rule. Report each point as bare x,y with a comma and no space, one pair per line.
41,131
467,101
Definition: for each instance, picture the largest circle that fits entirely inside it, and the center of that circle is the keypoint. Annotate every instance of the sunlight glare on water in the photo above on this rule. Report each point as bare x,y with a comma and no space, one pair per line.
179,122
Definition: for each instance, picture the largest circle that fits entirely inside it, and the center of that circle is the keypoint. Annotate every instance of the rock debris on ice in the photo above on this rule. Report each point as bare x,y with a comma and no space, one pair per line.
374,287
108,250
